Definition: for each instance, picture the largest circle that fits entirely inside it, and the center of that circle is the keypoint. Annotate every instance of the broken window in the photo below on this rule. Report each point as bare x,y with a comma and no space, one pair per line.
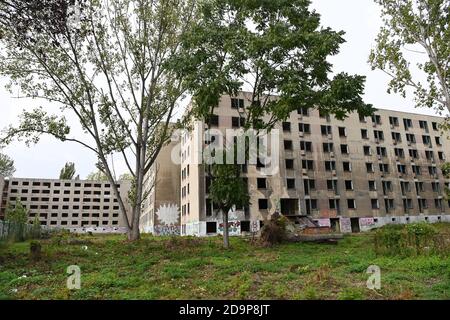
263,204
306,146
364,134
351,203
304,127
286,126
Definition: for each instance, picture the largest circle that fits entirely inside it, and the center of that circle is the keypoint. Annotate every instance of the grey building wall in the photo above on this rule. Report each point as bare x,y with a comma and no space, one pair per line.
353,204
78,205
161,209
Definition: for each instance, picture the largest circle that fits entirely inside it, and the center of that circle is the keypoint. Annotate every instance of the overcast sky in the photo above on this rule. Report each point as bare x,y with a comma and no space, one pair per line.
360,19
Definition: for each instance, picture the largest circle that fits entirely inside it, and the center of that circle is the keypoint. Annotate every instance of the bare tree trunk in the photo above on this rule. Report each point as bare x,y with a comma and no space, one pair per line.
226,242
133,231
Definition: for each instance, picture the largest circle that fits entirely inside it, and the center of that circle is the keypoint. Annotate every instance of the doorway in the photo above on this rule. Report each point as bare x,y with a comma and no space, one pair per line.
335,226
355,225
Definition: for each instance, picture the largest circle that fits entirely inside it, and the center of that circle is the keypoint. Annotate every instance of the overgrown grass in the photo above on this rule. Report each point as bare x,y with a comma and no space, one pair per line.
192,268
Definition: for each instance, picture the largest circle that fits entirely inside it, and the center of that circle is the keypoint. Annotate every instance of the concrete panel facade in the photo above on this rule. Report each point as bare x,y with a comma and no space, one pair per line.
77,205
364,171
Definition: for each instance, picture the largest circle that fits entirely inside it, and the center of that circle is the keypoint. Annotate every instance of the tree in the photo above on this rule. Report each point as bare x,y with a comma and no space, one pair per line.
228,190
6,165
16,213
268,48
126,177
104,62
36,230
68,171
419,27
97,176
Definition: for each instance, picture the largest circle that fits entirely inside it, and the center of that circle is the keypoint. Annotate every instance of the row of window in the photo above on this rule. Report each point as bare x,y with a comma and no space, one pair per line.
335,204
59,184
36,199
387,186
68,192
378,135
330,165
75,207
328,147
76,223
84,200
376,118
73,215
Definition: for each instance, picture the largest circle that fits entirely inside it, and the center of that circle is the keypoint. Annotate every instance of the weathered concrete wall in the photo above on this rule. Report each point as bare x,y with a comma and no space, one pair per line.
69,204
161,213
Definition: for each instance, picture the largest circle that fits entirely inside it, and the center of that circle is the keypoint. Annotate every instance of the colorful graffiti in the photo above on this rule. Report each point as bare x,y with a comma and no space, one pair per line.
254,226
324,222
346,225
367,222
168,217
234,227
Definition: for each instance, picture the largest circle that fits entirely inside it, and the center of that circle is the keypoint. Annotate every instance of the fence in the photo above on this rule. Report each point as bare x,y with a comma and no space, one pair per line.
20,231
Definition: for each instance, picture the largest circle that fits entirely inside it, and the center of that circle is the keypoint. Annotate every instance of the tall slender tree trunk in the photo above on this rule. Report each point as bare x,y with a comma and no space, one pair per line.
133,233
226,241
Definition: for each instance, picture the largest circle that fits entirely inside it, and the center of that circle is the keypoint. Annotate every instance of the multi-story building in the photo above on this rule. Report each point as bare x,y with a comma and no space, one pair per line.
351,175
77,205
160,212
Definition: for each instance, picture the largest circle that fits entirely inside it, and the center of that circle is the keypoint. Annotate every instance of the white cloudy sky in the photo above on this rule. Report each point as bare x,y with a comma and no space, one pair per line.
360,19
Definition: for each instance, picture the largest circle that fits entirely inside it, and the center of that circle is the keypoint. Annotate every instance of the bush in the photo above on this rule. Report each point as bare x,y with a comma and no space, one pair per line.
35,250
410,239
274,230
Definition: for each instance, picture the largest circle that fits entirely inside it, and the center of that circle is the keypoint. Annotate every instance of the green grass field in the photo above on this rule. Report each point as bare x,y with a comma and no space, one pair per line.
191,268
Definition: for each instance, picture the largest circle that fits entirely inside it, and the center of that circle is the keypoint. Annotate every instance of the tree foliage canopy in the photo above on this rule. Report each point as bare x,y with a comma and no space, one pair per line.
275,47
16,212
97,176
104,63
68,171
7,167
228,189
419,27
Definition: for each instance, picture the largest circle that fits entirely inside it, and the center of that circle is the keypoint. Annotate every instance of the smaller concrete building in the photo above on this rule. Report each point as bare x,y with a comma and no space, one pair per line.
77,205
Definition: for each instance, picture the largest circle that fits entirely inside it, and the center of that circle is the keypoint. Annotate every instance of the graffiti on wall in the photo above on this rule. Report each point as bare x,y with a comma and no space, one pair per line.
168,216
346,225
367,222
172,230
323,222
254,226
234,227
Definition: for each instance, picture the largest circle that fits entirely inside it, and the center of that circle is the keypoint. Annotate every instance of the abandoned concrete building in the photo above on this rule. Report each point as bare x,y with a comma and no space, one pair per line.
77,205
349,175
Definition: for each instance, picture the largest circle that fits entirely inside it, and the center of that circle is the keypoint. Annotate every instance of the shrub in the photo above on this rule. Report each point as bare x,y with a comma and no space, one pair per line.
274,230
410,239
35,250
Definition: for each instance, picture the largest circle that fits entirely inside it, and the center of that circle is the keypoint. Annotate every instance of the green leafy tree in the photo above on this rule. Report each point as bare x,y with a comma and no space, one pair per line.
228,190
126,177
268,48
68,171
97,176
104,63
36,227
6,165
420,28
16,213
